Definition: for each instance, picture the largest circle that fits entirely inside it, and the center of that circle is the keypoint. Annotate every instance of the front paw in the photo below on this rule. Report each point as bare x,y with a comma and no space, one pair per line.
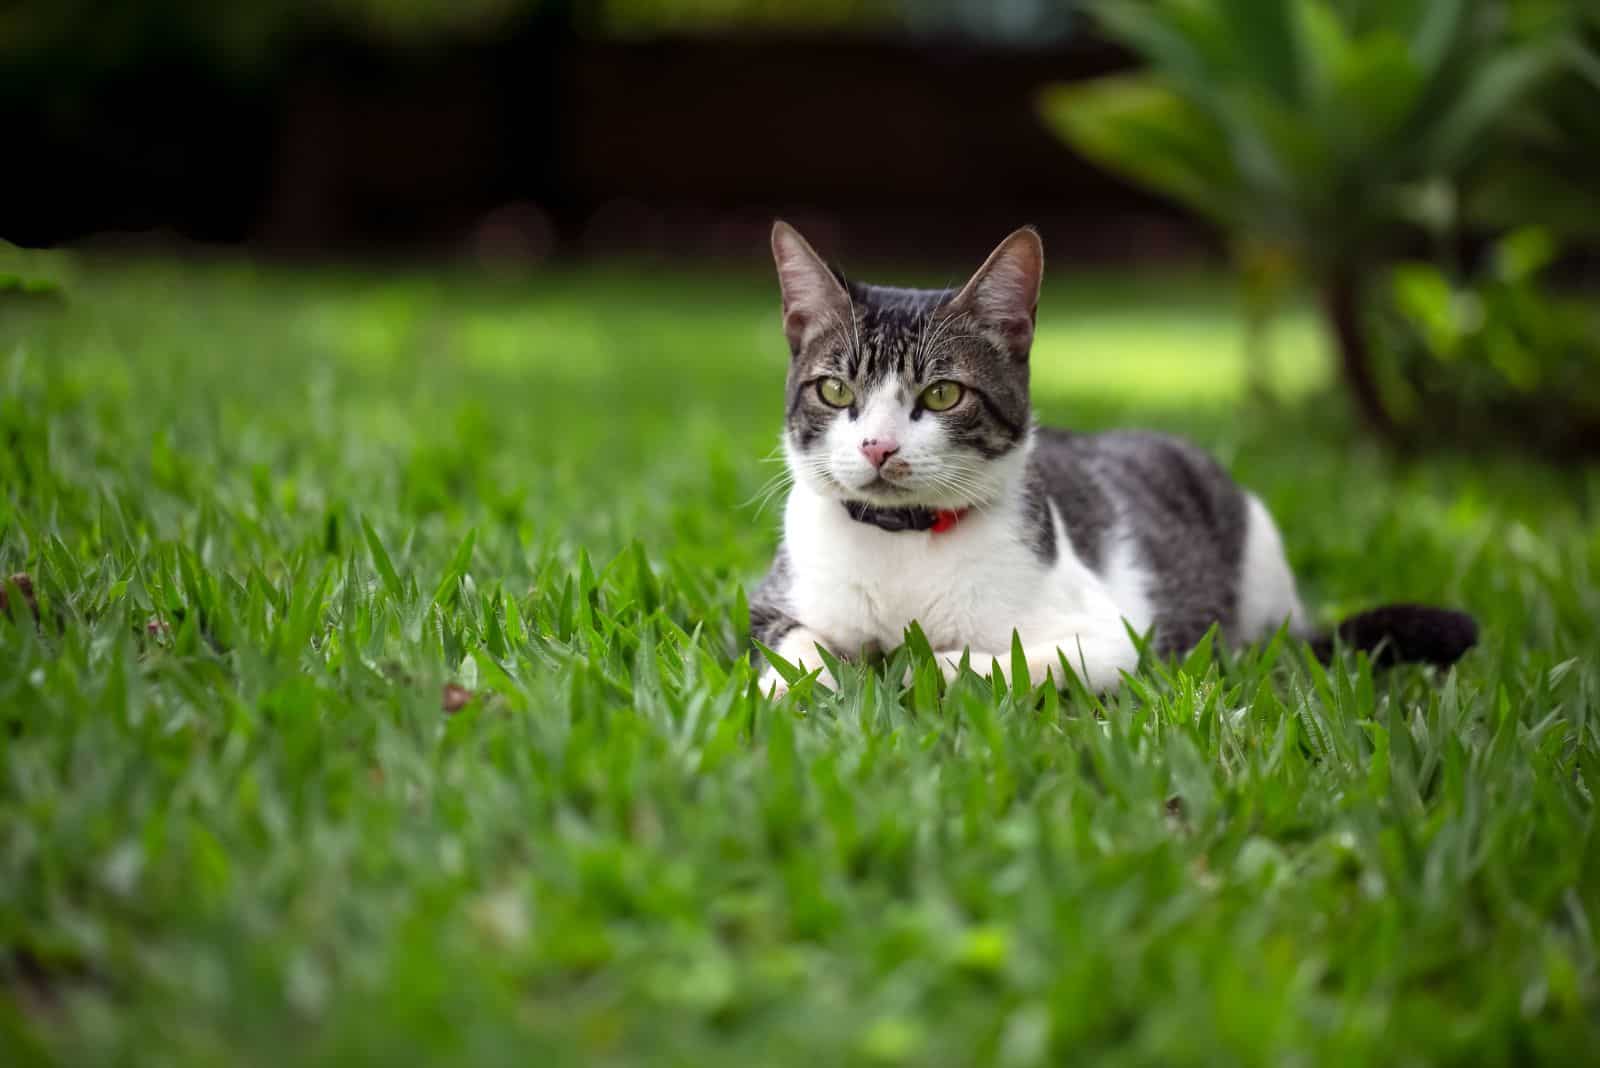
771,683
800,648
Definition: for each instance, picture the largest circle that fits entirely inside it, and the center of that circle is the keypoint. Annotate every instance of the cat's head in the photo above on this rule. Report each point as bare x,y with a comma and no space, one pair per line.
907,397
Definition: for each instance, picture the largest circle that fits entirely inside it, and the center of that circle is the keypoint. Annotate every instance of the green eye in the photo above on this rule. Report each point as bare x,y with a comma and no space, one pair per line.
834,392
941,396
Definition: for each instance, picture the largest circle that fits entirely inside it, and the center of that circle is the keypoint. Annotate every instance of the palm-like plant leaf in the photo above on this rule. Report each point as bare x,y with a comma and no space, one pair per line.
1134,125
1308,126
1297,122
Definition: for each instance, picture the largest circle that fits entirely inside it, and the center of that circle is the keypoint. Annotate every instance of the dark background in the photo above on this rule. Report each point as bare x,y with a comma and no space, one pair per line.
525,131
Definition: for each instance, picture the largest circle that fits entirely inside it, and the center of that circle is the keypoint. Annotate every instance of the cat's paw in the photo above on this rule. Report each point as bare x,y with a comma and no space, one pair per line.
799,647
949,661
771,683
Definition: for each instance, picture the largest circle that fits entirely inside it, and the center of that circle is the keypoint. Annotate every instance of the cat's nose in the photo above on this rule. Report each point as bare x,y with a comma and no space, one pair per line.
877,450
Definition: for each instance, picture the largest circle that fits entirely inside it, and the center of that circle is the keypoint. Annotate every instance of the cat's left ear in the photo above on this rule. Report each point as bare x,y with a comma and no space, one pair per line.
1004,294
813,299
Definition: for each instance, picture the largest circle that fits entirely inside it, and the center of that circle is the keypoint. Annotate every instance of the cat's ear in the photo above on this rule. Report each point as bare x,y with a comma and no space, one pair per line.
1004,294
813,299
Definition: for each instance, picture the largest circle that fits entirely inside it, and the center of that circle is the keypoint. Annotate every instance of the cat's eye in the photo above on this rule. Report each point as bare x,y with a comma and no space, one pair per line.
835,392
941,396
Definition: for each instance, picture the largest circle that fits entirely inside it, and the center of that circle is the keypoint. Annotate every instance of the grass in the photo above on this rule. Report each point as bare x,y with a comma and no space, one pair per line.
268,516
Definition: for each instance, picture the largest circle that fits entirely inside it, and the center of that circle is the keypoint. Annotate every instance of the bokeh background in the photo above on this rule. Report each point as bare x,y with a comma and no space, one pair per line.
1415,173
556,129
389,394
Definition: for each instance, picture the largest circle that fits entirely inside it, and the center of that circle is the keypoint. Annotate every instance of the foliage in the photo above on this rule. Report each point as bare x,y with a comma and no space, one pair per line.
1304,125
1543,173
268,516
647,17
30,272
42,39
1501,354
1320,133
48,46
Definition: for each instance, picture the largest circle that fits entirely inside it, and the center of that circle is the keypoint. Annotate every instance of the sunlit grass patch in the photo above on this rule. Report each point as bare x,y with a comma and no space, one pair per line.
388,700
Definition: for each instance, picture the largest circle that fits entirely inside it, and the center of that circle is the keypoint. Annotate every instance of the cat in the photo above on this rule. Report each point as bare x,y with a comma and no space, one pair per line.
924,491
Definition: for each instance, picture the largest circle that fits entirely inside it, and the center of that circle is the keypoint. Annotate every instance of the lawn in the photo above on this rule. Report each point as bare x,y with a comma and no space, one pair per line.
270,515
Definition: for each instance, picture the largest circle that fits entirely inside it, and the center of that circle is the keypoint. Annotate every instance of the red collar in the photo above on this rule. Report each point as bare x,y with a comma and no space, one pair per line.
895,520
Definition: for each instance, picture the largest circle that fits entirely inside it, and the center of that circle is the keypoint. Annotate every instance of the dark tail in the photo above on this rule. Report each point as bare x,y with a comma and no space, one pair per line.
1403,633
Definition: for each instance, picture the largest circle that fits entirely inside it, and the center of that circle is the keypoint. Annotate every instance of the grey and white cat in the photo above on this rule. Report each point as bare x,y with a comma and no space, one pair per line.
923,490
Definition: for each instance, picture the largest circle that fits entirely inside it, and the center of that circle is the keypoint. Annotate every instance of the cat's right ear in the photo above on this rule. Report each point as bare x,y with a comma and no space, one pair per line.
1004,294
813,299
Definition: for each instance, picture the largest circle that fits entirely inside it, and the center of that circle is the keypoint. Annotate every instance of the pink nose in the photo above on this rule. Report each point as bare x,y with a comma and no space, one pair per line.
877,451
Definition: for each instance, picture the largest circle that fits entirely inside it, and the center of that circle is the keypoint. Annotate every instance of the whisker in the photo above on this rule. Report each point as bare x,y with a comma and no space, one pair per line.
852,335
855,329
921,346
771,488
952,339
939,330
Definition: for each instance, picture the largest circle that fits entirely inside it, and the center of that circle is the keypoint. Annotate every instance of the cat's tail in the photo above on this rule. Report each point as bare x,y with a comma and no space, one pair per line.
1402,633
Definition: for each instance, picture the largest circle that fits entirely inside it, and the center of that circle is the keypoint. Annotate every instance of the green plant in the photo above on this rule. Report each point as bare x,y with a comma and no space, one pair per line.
1544,173
1318,129
1500,355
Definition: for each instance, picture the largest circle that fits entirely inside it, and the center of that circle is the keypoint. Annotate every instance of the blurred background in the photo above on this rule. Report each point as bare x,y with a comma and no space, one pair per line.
557,128
1417,173
352,351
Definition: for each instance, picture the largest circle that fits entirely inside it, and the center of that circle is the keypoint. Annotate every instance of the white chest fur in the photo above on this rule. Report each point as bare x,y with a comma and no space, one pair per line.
858,586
